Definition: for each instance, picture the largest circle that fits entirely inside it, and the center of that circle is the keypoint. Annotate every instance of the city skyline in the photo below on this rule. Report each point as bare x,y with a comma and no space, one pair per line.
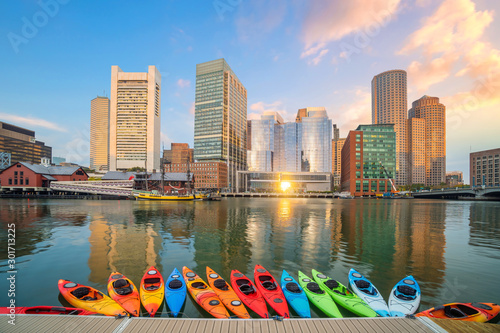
333,60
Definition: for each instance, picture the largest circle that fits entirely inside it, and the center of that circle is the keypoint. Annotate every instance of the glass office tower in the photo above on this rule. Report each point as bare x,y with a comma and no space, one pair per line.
316,141
220,119
260,158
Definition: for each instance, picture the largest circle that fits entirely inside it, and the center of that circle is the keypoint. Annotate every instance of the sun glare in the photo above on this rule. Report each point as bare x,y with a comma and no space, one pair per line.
285,186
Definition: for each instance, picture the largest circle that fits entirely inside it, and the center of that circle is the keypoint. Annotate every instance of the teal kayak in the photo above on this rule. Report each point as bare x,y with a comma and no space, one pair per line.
318,297
295,295
343,296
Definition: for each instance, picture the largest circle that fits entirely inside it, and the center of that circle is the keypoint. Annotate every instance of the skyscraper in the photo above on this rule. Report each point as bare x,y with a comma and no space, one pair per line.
99,134
220,120
434,114
389,106
416,151
134,128
316,140
260,157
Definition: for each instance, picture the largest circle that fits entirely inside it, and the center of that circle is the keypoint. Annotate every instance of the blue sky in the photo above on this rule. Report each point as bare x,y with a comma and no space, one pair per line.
288,54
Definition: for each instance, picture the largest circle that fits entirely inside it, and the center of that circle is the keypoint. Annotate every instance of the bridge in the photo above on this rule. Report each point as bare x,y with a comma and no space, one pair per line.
122,188
491,193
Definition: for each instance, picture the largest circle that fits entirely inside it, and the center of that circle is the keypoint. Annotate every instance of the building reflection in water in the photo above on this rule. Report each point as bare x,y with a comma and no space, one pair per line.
484,223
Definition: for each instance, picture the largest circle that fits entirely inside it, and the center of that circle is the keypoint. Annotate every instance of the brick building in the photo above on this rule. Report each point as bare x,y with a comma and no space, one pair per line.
485,168
207,175
178,153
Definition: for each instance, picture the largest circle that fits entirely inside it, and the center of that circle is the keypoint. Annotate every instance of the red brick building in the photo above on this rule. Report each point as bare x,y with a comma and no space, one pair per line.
207,175
23,176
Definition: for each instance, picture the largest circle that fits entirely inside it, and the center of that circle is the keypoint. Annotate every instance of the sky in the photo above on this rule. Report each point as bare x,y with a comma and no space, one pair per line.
56,56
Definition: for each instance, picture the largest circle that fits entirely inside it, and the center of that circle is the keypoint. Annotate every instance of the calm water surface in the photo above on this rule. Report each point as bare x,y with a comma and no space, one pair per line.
451,247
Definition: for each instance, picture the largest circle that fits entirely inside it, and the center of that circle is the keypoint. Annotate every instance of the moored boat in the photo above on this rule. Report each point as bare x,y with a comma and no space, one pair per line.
47,310
295,295
271,291
320,298
123,291
175,292
404,298
248,294
365,290
152,291
478,312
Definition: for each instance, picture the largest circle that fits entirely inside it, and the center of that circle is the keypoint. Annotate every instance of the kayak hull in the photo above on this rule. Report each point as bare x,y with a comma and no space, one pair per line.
203,294
152,290
250,295
295,295
320,298
226,294
271,291
46,310
476,312
90,299
130,302
365,290
404,298
175,292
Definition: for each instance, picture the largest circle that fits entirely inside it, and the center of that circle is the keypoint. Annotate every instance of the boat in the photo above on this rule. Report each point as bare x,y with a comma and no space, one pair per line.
152,291
203,294
90,299
404,298
123,291
175,292
320,298
46,310
478,312
342,295
226,294
249,295
271,291
365,290
295,295
154,195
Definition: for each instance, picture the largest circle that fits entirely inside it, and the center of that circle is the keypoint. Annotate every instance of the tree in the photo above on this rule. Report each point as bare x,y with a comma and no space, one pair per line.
136,169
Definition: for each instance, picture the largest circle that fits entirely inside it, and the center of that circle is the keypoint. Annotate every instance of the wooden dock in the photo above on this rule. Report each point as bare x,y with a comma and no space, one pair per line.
99,324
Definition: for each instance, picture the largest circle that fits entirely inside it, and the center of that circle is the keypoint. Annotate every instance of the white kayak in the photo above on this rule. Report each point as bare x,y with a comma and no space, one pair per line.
405,297
368,293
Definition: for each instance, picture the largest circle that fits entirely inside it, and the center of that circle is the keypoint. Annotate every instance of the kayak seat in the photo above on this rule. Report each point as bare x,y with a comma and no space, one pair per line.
331,284
81,292
467,309
405,293
246,289
120,283
175,284
124,290
314,287
453,312
122,287
365,287
292,287
269,285
221,284
152,280
199,285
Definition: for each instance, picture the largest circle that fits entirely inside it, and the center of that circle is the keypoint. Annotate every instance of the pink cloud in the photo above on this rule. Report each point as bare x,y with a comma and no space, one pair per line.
183,83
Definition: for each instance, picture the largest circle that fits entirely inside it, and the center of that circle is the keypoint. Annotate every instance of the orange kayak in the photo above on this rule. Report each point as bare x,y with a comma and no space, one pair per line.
90,299
152,290
124,292
226,294
478,312
203,294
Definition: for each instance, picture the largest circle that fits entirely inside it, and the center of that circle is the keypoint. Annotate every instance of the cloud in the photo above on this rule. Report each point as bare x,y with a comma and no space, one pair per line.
183,83
191,109
317,59
260,107
349,115
31,122
258,18
437,70
329,21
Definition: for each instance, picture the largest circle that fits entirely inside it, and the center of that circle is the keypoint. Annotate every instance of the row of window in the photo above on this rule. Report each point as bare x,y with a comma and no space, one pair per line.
21,181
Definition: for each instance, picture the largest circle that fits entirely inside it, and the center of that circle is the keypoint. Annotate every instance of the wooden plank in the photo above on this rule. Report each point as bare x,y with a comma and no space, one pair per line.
341,324
390,325
464,326
217,326
321,326
207,327
246,326
288,326
304,325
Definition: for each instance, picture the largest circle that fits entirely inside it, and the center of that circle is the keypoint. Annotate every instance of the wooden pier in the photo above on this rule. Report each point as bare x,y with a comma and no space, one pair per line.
99,324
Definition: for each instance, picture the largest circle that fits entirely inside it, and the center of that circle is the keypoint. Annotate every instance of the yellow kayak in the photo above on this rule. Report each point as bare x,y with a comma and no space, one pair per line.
152,290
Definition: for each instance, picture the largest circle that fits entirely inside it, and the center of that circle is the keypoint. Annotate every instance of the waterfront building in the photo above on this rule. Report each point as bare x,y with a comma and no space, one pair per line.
249,135
178,153
22,176
485,168
19,144
207,175
417,151
99,133
260,157
337,144
389,106
366,152
220,120
454,178
291,182
316,140
134,122
434,114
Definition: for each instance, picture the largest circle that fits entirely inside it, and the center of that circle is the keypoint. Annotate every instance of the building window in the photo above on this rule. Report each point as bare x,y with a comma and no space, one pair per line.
21,173
10,181
18,166
27,181
15,173
15,181
21,181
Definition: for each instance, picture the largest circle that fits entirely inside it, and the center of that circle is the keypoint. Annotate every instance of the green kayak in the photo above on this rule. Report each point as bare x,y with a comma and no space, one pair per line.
318,297
343,296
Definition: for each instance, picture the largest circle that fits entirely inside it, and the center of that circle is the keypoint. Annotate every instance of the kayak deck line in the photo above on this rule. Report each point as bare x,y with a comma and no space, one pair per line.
51,323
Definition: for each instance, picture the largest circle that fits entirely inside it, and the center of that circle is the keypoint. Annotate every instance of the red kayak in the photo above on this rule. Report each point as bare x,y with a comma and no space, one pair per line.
247,292
271,291
47,310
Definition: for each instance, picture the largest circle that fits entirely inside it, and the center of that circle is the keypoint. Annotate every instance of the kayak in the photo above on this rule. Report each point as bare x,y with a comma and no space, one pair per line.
46,310
478,312
318,296
248,294
343,296
365,290
89,299
124,292
203,294
405,297
152,291
175,292
295,295
271,291
226,294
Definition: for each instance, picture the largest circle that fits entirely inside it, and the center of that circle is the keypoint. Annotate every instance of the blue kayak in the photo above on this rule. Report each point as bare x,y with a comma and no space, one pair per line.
368,293
405,297
175,292
295,295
